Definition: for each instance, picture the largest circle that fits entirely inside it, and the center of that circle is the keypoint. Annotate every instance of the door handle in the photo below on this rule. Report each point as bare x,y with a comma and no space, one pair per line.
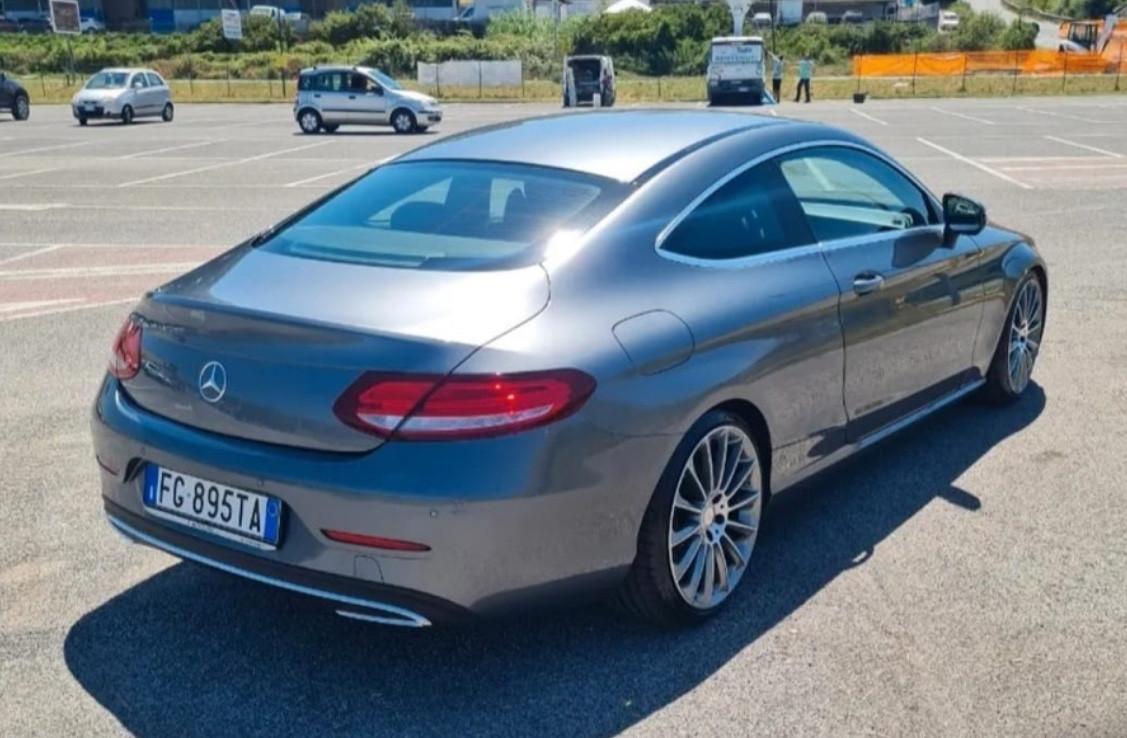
867,282
352,97
316,94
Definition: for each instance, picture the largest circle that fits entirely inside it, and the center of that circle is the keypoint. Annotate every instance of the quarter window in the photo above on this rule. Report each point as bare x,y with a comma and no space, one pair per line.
139,81
154,80
846,193
755,213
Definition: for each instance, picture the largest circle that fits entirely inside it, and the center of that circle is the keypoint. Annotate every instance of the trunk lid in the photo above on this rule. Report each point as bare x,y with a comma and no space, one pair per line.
289,335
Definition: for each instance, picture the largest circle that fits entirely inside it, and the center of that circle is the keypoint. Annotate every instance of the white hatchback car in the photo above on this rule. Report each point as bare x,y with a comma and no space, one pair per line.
123,94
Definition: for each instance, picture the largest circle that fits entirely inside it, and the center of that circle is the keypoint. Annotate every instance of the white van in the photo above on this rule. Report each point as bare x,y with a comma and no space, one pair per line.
735,68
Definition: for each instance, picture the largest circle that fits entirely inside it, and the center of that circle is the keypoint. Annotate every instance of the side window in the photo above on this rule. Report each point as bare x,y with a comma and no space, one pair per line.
139,81
305,82
846,193
328,82
154,80
755,213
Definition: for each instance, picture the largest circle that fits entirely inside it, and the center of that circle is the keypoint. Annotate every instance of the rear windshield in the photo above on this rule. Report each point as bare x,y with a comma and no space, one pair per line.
107,80
448,215
737,52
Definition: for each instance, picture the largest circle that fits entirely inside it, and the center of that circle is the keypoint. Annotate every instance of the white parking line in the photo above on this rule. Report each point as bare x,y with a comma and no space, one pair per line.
170,148
1100,165
67,309
973,163
308,180
210,167
98,271
22,152
1066,142
28,173
866,116
964,116
26,255
1066,116
14,307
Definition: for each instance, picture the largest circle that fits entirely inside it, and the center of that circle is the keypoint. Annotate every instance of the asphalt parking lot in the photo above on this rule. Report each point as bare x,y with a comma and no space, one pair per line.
968,577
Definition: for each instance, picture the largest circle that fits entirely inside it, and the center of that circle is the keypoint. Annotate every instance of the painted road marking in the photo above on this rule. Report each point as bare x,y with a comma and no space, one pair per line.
308,180
14,307
31,172
32,207
100,271
866,116
66,309
977,165
19,257
1066,116
1066,142
964,116
24,152
210,167
170,148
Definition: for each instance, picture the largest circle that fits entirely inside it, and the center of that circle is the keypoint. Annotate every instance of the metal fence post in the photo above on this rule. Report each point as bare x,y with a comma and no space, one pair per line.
283,75
228,81
1014,90
479,81
1064,74
438,79
659,88
963,86
915,61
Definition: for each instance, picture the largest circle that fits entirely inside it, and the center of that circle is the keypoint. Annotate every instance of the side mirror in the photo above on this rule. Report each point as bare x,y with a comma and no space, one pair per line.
963,215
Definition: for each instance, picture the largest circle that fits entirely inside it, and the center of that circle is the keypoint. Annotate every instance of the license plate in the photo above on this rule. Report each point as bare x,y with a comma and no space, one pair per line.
89,105
229,512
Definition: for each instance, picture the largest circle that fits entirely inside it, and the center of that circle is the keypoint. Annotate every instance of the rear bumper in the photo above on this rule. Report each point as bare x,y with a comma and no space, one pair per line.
735,86
525,521
352,597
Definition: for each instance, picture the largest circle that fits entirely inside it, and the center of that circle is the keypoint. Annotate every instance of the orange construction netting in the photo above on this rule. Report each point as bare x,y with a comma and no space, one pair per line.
950,64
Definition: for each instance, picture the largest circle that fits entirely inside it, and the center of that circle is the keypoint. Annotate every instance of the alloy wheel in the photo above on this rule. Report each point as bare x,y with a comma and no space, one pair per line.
402,122
715,517
310,122
1025,334
22,108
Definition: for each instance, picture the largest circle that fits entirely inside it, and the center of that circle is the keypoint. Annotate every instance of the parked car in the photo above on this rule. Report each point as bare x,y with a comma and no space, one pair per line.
853,16
36,25
589,74
555,358
817,17
761,20
91,25
123,94
14,98
735,69
331,96
7,25
948,21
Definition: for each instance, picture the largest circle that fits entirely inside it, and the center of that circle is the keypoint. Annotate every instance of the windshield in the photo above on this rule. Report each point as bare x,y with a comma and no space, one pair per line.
737,52
448,215
387,82
107,80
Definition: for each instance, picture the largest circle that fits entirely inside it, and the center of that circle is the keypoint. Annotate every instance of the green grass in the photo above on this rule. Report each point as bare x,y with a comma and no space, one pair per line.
48,89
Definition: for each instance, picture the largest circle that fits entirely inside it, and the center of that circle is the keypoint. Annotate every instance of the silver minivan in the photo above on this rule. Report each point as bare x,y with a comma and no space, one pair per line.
123,94
331,96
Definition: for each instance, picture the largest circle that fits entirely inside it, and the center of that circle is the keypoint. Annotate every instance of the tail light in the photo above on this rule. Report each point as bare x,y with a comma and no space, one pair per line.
388,544
125,359
432,407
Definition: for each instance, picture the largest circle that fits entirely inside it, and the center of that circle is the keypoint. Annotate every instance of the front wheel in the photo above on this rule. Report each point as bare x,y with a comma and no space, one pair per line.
21,109
82,121
127,115
403,121
309,121
1012,365
700,528
166,113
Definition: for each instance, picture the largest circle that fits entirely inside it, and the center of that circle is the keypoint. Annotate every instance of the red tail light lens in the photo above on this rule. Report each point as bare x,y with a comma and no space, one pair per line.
125,360
461,406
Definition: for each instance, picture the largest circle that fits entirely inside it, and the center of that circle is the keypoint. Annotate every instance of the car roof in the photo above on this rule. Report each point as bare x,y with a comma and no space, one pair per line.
735,39
621,145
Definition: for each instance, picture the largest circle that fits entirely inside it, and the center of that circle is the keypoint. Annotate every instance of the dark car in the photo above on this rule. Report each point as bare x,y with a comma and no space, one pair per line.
13,98
39,24
7,25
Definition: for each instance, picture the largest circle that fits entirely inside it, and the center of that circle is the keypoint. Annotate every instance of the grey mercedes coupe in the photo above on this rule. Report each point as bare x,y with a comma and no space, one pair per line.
551,359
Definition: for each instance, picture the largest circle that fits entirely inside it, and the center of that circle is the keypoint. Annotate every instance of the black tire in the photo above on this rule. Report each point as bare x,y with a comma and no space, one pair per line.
21,108
1000,387
167,113
330,127
127,115
309,121
82,121
403,121
649,591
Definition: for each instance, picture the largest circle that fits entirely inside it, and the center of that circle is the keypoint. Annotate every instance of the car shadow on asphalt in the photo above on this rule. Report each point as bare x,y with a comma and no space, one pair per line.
195,652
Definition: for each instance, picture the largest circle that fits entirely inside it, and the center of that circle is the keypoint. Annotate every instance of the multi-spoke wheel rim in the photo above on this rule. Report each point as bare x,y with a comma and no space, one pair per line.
309,122
21,108
1025,334
715,518
402,122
